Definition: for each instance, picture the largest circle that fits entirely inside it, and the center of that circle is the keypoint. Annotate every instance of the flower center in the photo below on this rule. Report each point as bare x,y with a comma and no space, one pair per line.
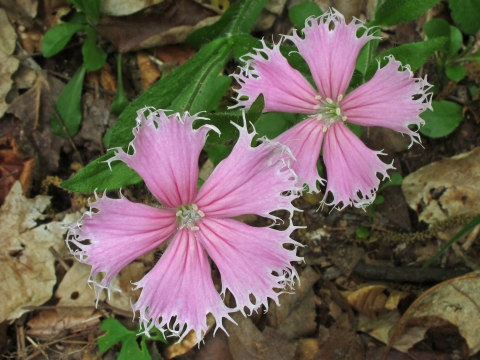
188,216
329,111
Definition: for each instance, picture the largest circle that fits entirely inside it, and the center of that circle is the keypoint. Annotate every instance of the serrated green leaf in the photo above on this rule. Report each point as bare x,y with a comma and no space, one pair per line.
301,12
466,15
455,73
413,54
93,56
97,176
57,37
238,19
120,101
393,12
68,107
171,87
218,152
444,118
91,8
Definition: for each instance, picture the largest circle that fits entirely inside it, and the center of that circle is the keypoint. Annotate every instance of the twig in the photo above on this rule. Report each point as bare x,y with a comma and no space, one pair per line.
36,345
59,258
408,275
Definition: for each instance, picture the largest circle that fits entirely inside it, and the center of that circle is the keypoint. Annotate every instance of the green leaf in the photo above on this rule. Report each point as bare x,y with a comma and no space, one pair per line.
116,333
393,12
120,101
467,228
456,40
93,56
219,87
455,73
395,179
466,15
301,12
78,18
57,37
244,44
238,19
217,152
356,129
362,232
444,118
437,28
379,199
91,8
273,124
413,54
68,107
97,176
173,88
367,53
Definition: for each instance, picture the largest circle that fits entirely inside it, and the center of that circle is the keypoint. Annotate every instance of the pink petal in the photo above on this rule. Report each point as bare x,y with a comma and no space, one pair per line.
117,233
166,151
252,180
251,260
284,88
305,141
351,168
392,98
180,286
331,53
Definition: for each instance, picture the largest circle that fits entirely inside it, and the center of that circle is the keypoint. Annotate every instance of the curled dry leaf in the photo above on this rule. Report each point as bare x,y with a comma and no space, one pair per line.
446,188
125,7
148,70
8,38
28,274
456,301
132,273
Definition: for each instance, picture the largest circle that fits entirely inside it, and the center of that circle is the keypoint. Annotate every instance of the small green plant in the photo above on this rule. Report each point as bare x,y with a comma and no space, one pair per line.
133,346
68,116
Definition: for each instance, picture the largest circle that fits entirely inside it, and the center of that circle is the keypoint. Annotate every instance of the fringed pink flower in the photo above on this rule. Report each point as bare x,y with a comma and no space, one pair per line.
178,292
393,98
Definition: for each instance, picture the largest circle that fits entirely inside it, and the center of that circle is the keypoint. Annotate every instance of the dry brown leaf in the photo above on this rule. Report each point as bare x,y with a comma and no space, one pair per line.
295,316
125,7
77,298
124,281
28,274
246,342
48,324
456,301
10,64
307,349
148,70
347,257
446,188
368,300
162,24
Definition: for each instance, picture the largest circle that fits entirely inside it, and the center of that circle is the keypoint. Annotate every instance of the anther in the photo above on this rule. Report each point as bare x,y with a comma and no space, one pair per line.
340,97
316,107
325,128
338,111
194,207
179,212
319,117
344,118
201,213
318,97
328,100
194,228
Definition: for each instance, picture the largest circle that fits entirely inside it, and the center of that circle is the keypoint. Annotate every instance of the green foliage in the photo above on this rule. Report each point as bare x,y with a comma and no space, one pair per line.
120,101
68,107
413,54
244,44
393,12
366,55
91,9
362,232
300,12
57,37
395,179
466,229
238,19
93,56
218,152
274,123
466,15
444,118
131,349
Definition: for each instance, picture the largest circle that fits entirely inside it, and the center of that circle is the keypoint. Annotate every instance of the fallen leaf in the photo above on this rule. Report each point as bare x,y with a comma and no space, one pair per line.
446,188
124,281
456,301
77,298
125,7
347,257
162,24
48,324
307,349
296,315
246,342
10,64
148,70
28,274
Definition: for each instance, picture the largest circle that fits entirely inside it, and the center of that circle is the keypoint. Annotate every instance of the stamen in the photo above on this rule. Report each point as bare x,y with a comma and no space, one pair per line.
325,128
328,100
201,213
188,216
344,118
340,97
318,97
338,111
316,107
319,117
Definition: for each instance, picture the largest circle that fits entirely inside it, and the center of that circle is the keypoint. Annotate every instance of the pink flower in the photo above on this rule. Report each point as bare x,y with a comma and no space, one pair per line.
393,98
179,292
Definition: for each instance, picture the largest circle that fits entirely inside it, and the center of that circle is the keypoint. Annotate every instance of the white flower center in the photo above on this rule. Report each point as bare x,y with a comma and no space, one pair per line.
188,216
329,111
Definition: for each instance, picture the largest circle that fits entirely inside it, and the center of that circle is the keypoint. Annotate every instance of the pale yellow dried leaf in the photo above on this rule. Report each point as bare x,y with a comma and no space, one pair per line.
125,7
28,275
8,38
124,281
368,300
